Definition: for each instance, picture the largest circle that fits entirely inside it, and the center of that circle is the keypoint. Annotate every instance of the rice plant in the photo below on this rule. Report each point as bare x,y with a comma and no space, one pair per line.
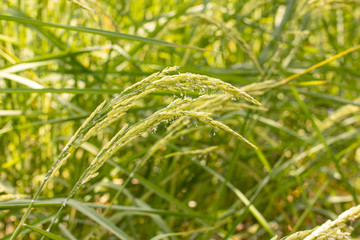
103,137
105,114
330,229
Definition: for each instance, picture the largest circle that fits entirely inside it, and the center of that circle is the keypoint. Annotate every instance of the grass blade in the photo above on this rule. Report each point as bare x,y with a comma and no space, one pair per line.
109,34
107,224
45,233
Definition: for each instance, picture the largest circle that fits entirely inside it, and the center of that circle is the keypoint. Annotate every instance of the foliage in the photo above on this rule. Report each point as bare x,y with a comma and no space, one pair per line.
110,142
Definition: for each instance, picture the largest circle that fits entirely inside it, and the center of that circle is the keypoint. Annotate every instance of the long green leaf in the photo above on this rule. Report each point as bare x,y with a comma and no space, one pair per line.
107,224
45,233
95,31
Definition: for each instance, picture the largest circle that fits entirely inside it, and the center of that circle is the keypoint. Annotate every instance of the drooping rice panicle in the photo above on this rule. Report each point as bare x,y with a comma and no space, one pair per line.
178,109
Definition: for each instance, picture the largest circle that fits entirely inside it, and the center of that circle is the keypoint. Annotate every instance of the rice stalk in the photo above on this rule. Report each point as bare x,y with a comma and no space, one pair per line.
105,114
127,134
193,152
330,230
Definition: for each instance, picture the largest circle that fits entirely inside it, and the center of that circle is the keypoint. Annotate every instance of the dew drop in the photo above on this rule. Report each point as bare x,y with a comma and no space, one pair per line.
154,129
192,203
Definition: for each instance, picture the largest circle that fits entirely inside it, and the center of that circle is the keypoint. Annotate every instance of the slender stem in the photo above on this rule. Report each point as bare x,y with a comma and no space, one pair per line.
39,190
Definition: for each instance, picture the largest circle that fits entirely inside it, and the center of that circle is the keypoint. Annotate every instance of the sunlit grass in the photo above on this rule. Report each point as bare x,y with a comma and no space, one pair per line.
140,150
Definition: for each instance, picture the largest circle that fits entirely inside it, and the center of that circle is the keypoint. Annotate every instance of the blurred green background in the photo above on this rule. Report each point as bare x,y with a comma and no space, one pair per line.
60,59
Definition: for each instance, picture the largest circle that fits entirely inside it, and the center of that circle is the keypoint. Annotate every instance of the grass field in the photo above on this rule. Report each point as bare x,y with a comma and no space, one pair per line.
179,119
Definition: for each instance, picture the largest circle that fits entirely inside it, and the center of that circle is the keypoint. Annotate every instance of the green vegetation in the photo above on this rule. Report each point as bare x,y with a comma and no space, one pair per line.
254,136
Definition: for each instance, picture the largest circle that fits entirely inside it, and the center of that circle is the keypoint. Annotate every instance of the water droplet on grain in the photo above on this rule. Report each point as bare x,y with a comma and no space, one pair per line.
192,204
154,129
